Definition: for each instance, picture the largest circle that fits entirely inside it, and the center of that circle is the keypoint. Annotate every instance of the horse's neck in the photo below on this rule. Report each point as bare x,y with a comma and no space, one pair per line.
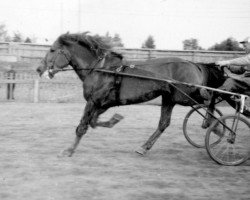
81,64
111,61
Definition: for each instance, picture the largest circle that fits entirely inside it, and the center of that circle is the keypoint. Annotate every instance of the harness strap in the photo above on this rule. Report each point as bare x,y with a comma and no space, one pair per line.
118,81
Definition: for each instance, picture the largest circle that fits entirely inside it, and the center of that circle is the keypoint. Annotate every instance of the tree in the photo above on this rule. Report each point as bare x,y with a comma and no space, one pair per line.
149,43
117,41
107,37
7,38
17,37
27,40
230,44
4,37
191,44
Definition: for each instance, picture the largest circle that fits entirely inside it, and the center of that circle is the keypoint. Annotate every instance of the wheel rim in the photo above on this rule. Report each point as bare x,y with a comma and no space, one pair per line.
192,126
231,149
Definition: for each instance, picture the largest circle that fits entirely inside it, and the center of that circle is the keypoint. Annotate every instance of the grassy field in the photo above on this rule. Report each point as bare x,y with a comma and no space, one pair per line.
105,166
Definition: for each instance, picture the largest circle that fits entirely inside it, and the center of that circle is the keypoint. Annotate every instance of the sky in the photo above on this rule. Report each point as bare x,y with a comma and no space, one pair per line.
170,22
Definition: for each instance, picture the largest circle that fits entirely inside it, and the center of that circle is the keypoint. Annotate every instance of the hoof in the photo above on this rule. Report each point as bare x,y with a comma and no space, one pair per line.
205,125
205,94
141,151
217,131
66,153
115,119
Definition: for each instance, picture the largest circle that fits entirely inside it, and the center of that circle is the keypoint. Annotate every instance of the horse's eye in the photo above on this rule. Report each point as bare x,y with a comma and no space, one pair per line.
52,50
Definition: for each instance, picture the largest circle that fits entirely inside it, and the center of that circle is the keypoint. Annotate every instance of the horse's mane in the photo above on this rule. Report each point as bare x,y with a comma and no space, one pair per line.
96,44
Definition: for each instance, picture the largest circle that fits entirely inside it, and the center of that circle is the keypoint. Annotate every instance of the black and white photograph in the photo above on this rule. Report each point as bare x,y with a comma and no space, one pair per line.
125,100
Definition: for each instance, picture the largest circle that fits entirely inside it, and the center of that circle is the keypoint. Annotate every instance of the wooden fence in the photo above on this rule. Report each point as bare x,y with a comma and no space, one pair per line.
32,53
37,90
29,87
66,87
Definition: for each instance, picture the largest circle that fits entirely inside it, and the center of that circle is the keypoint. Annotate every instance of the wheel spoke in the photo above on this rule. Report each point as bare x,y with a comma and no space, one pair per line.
195,126
233,147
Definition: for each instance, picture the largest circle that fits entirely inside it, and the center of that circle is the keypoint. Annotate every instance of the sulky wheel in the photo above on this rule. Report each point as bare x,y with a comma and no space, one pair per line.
233,147
194,125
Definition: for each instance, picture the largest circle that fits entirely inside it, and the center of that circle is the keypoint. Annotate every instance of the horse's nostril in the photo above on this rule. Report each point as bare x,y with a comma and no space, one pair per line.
38,70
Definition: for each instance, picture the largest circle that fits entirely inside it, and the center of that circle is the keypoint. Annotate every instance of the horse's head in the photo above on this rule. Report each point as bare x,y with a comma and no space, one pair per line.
81,51
57,58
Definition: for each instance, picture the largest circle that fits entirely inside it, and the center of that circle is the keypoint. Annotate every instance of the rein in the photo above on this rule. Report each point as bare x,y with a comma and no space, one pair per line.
119,73
169,80
91,66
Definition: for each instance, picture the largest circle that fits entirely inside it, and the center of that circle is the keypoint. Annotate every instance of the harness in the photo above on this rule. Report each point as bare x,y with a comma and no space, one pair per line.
117,78
92,67
118,82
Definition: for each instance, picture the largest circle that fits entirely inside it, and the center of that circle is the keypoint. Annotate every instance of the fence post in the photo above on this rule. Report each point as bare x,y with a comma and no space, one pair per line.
36,91
149,54
193,56
9,48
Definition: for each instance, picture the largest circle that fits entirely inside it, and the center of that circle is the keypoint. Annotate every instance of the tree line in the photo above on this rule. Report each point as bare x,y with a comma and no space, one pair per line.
17,36
229,44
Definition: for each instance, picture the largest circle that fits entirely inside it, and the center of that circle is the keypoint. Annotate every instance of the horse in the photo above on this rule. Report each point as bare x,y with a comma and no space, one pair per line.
86,54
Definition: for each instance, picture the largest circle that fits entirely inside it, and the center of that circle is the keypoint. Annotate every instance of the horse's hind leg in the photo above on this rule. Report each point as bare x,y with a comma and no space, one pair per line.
209,118
109,124
166,111
211,107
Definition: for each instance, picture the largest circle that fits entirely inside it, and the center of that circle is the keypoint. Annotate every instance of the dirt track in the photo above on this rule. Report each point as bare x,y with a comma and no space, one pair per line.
105,166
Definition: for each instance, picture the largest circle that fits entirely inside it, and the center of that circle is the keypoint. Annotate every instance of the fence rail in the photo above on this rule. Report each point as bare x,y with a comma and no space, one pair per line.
40,90
33,53
67,87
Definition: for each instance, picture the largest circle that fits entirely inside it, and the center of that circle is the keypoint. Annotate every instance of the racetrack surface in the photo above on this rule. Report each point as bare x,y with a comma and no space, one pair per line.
105,166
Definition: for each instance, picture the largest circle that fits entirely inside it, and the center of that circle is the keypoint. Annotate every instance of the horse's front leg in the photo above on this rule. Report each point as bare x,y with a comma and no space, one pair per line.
82,128
108,124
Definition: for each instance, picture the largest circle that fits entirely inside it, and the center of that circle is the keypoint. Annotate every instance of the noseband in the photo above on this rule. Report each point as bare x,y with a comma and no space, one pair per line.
67,57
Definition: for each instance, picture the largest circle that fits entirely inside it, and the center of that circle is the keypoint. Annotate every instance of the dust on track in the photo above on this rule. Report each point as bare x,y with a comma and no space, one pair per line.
105,166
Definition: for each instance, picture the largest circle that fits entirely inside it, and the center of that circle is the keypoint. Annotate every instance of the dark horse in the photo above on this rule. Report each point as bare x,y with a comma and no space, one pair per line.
87,53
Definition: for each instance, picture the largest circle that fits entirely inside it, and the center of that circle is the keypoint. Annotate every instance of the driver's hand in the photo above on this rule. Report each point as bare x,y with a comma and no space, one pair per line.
246,68
222,63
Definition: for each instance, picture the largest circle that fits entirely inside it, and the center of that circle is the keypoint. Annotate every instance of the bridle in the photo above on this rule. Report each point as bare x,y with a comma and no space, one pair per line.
67,56
60,52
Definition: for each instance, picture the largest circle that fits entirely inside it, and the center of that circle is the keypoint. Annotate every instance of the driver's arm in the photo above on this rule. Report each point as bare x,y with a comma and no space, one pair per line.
237,65
245,60
237,69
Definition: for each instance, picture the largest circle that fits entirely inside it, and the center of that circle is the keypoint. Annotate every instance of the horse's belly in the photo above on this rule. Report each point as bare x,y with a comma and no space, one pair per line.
138,90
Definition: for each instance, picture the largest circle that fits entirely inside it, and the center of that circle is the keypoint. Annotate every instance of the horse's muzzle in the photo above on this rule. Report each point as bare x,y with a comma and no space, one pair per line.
48,74
39,71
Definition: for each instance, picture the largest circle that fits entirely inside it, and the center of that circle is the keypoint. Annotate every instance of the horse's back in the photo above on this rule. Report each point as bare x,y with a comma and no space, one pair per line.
172,68
169,68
